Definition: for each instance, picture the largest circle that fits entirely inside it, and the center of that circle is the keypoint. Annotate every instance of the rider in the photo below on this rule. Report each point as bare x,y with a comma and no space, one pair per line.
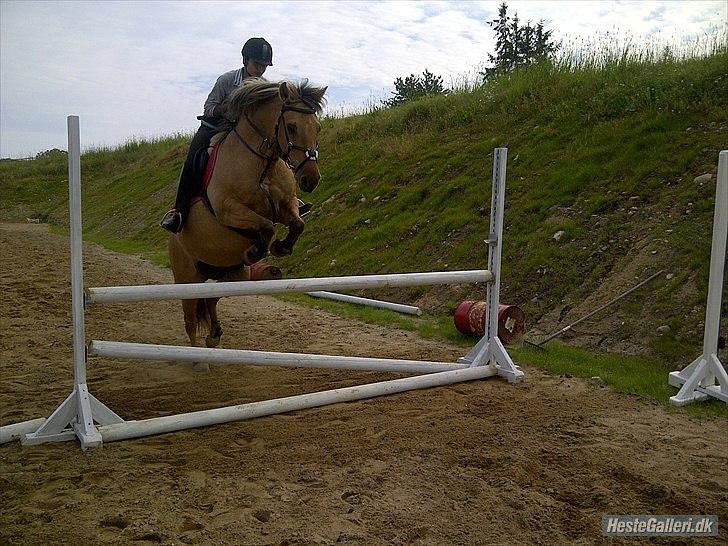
257,56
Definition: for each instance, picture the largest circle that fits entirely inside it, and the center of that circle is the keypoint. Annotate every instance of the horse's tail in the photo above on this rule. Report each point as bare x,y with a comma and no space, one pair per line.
203,316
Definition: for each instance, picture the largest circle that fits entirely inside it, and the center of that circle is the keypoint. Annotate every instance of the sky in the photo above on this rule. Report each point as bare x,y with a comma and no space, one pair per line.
134,69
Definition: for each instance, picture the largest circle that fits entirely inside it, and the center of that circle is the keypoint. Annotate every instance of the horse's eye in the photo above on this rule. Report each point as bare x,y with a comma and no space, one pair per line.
291,128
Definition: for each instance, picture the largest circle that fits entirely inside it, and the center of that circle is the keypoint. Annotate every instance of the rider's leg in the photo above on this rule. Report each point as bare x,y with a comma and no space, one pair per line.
189,184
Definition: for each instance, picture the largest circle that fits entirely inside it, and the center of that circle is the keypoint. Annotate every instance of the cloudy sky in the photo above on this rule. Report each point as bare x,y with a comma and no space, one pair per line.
143,69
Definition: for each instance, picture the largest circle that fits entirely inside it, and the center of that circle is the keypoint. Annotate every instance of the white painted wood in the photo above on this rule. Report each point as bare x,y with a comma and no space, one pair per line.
102,414
74,417
717,257
490,349
74,206
18,430
173,423
142,351
706,376
74,414
497,199
124,294
346,298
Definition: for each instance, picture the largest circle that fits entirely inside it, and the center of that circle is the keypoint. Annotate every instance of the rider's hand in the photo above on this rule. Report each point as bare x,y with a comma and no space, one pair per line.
220,110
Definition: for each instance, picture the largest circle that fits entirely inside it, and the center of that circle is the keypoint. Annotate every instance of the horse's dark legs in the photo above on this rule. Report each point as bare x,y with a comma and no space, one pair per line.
192,322
259,249
183,268
285,247
213,339
241,218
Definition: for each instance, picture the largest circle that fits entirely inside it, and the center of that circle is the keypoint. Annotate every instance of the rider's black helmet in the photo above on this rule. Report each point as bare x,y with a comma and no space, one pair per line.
259,50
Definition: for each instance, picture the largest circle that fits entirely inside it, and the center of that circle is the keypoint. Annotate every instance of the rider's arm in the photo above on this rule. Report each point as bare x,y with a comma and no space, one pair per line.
225,84
215,98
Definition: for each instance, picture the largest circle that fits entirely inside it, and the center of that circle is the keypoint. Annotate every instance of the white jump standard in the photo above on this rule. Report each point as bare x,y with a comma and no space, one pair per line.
84,417
706,376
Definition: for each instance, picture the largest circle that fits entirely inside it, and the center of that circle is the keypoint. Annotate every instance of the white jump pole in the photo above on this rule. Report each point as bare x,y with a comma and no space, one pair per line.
173,423
346,298
127,294
172,353
706,376
18,430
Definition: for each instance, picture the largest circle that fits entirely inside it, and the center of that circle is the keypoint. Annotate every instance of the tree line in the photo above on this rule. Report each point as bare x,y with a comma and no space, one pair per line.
517,45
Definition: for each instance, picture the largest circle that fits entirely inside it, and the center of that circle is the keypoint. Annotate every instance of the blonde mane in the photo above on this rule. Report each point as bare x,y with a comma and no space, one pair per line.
254,92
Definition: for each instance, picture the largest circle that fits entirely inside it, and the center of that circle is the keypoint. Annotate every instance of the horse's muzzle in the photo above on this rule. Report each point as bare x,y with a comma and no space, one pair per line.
308,181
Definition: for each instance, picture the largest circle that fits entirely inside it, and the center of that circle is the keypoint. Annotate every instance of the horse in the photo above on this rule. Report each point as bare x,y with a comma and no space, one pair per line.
269,148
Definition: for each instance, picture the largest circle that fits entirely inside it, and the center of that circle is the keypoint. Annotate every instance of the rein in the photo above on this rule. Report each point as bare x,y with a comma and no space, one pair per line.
269,161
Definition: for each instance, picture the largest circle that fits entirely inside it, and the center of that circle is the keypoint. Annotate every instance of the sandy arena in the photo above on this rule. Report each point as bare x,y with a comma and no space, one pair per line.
475,463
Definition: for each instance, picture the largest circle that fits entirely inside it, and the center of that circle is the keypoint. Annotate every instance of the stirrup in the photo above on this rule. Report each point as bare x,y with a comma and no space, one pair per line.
304,208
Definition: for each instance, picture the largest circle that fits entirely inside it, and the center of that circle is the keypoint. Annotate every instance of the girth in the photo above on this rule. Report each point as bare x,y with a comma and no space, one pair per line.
215,272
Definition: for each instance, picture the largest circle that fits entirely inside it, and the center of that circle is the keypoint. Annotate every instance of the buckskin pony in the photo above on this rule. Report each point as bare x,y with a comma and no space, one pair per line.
269,148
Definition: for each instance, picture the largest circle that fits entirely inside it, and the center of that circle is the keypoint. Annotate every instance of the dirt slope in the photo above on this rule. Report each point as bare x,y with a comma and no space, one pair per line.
482,462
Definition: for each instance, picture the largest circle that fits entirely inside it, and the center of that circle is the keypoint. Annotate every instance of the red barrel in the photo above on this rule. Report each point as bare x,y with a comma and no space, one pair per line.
470,318
261,271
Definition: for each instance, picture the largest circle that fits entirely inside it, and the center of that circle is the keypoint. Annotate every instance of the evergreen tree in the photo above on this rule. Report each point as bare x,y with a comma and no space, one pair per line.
414,87
517,45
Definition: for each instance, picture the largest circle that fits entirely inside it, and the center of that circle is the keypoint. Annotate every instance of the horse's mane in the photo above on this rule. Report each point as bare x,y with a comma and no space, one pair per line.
312,96
251,93
256,91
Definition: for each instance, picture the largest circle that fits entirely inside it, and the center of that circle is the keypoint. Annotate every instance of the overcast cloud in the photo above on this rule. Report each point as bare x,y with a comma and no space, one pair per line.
145,68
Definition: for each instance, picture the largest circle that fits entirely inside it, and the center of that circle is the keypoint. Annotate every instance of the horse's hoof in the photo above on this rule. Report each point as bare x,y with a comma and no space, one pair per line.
278,249
200,367
255,253
212,341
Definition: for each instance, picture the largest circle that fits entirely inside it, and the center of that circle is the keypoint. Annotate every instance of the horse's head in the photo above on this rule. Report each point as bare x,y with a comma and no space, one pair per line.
286,116
298,130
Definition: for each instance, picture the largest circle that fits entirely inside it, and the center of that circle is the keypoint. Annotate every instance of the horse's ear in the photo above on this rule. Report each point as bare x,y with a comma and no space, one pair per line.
323,92
286,91
317,97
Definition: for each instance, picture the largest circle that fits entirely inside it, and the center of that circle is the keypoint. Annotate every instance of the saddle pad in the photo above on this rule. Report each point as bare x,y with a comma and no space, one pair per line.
209,167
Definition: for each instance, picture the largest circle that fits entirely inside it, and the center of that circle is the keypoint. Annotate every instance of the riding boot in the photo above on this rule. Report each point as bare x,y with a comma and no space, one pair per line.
189,184
172,221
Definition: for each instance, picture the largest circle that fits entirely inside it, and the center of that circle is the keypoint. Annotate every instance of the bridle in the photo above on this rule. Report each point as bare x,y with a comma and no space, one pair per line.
310,154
